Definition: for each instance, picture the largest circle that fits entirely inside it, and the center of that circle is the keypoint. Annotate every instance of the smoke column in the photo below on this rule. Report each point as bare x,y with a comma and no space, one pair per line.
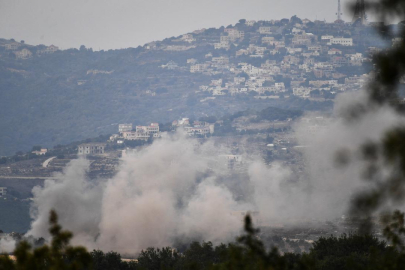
176,189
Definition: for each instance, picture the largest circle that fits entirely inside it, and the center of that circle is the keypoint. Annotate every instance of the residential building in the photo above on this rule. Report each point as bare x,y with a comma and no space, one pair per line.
91,149
250,23
48,50
12,46
124,127
41,152
198,68
263,30
23,54
220,60
342,41
136,135
267,40
153,128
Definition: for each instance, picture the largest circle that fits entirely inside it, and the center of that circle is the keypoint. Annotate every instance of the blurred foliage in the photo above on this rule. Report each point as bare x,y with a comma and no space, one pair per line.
58,255
385,159
248,252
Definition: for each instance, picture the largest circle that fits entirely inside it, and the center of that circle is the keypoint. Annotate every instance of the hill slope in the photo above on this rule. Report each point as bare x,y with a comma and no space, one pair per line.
53,97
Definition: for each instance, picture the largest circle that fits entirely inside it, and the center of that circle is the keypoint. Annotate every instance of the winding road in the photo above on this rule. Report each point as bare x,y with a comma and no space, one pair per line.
46,162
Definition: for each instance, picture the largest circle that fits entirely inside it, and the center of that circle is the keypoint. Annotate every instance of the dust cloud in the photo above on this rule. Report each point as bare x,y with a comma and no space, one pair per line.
178,189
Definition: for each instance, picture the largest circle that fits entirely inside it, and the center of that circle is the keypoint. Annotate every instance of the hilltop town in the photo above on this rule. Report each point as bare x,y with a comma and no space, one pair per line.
290,64
267,59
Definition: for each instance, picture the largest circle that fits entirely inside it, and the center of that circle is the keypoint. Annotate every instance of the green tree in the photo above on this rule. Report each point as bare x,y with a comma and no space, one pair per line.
387,155
202,256
58,255
36,148
110,260
156,259
249,253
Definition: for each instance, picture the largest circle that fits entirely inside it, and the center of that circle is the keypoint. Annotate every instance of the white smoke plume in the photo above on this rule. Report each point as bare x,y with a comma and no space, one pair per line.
331,187
76,200
177,190
7,245
163,193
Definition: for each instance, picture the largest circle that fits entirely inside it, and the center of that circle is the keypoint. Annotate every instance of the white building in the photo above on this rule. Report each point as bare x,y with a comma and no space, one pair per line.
250,23
23,54
48,50
188,38
135,135
192,61
91,149
3,191
265,30
326,37
342,41
220,60
239,80
198,68
124,127
153,128
302,92
222,45
280,87
12,46
41,152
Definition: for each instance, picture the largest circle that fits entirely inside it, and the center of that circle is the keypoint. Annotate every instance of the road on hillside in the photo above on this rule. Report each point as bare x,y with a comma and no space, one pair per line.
46,162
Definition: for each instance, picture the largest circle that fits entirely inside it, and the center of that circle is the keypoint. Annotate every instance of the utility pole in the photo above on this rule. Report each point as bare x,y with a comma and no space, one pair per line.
339,12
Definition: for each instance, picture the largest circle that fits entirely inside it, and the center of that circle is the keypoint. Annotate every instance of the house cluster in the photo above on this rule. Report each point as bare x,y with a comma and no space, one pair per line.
22,51
230,35
197,128
127,132
295,60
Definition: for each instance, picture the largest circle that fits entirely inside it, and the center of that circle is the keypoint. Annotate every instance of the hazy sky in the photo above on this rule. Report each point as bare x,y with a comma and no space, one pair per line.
112,24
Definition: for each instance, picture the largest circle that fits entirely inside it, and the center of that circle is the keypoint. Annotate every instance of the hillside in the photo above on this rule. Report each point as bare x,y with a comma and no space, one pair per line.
50,96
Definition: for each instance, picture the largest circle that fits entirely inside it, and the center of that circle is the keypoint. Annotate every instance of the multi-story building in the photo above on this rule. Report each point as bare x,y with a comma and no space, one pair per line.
198,68
91,149
220,60
153,128
48,50
12,46
250,23
142,132
23,54
124,127
342,41
264,30
222,45
232,161
135,135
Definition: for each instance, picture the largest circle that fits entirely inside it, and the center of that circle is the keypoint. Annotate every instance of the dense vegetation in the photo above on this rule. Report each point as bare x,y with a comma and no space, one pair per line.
345,252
